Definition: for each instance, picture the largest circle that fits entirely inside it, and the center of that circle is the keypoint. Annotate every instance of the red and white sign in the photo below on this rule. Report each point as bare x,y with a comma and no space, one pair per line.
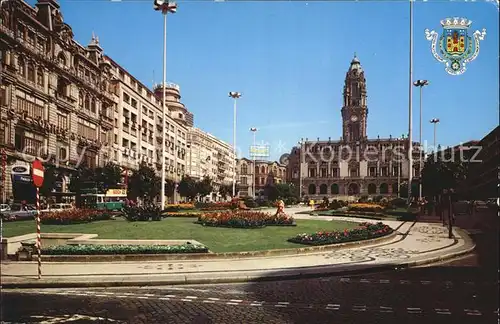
38,173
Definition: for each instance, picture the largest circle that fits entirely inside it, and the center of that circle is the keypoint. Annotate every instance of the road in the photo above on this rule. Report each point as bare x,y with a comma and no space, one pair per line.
462,291
450,293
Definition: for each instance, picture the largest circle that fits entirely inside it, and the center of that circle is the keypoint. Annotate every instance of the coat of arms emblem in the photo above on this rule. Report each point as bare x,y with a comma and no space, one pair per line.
456,46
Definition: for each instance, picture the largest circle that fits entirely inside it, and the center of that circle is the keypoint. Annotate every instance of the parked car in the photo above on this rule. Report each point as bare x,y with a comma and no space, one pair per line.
4,207
19,212
56,208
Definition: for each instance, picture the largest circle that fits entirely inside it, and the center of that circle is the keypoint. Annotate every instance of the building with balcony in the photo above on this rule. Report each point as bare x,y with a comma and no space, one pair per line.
209,156
353,165
55,99
264,172
138,127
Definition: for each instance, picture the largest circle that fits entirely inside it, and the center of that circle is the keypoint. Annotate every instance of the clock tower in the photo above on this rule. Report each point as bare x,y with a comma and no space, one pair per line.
354,110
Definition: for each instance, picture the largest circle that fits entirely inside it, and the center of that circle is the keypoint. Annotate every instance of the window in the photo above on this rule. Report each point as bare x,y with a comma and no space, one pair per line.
354,172
39,77
31,38
62,120
133,103
312,172
126,98
87,103
87,129
384,172
244,169
93,105
31,72
243,180
324,173
29,143
40,45
62,87
21,67
61,59
20,31
62,152
335,172
31,106
372,171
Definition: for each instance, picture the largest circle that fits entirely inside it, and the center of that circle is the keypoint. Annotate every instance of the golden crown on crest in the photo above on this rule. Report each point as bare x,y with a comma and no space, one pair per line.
456,23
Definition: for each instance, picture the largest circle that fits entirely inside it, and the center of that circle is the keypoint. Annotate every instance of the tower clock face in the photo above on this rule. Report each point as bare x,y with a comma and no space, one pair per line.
354,118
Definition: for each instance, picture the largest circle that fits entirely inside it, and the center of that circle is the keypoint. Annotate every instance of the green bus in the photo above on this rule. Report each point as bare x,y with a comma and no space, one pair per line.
113,199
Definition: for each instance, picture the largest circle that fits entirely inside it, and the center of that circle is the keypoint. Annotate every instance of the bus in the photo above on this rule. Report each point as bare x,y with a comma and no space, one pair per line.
113,199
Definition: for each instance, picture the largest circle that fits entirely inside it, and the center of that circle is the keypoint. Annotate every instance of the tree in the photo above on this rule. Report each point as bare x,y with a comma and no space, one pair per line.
144,183
169,187
187,187
108,176
286,190
82,174
204,187
227,190
271,192
49,181
438,175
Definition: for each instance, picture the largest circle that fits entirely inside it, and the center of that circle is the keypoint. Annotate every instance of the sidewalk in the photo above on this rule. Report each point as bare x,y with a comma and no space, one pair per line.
415,244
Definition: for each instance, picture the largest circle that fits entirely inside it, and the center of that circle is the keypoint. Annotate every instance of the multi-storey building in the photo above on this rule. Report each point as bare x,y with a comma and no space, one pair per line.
138,124
55,96
484,170
209,156
264,172
353,165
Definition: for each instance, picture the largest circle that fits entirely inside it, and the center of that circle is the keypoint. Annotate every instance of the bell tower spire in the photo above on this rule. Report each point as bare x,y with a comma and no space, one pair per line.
354,109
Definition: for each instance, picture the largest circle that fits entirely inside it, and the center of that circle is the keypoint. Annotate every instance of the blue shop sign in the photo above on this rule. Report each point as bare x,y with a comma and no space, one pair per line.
22,178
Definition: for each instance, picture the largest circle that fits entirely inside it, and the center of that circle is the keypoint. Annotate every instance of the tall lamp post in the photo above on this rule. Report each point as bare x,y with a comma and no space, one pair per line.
434,121
165,7
235,95
410,107
254,131
399,168
421,84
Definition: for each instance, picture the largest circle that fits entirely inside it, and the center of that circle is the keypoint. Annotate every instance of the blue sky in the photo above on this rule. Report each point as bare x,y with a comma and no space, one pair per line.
289,60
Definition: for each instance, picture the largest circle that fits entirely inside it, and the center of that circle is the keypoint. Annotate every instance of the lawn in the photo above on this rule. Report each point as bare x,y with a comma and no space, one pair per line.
217,239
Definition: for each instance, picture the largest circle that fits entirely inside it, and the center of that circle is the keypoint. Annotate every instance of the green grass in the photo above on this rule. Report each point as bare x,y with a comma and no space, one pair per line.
215,238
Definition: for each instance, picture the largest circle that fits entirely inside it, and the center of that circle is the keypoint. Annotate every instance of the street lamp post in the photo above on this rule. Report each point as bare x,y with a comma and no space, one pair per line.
235,95
435,121
410,108
421,84
165,7
254,131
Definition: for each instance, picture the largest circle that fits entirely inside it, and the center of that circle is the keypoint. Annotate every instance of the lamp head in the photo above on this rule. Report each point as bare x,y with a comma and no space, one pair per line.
234,94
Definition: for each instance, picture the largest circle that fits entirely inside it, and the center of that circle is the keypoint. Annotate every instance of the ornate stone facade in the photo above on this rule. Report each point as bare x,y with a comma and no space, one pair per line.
54,93
353,165
266,173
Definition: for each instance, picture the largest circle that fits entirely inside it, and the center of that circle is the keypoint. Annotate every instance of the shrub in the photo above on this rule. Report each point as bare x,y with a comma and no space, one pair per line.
363,199
243,219
142,213
364,231
73,216
291,201
178,207
250,202
122,249
398,203
335,204
364,207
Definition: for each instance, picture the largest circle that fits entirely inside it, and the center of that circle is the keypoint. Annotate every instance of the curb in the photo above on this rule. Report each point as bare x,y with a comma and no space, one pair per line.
242,276
223,255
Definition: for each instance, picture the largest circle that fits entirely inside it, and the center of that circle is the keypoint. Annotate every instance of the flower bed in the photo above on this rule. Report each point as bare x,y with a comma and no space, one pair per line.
91,249
178,207
182,214
364,207
364,231
244,219
217,206
73,216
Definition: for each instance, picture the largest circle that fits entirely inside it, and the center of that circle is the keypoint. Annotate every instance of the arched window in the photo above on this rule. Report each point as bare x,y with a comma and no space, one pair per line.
244,169
263,169
384,189
323,189
312,189
372,189
31,72
21,67
80,99
335,189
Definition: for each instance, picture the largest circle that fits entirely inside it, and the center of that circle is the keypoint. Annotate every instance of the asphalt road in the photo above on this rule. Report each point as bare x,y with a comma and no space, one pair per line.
461,291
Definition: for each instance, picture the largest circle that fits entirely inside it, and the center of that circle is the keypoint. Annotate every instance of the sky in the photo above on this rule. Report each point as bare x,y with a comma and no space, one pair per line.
289,60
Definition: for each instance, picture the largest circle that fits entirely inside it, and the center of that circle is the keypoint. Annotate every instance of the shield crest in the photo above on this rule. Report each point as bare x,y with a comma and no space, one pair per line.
454,42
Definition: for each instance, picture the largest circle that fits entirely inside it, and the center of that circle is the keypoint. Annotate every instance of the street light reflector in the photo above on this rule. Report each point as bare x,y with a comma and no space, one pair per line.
420,83
253,129
234,94
434,120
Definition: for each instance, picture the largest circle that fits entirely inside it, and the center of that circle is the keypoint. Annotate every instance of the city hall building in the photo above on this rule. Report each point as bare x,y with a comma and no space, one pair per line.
354,165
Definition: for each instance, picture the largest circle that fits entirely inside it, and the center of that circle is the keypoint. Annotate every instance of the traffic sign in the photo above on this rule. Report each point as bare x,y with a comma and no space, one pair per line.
38,173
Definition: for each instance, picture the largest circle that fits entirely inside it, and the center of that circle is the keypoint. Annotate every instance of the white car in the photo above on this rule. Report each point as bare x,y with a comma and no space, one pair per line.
57,208
4,207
